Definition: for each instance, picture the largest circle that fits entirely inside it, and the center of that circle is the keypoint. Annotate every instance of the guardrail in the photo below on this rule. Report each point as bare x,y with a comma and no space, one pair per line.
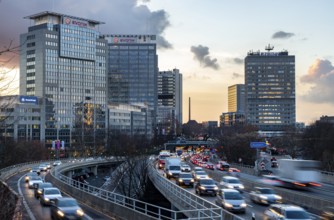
115,204
190,204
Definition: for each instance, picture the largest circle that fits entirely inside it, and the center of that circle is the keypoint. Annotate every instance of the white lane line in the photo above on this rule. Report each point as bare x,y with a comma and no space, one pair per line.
31,215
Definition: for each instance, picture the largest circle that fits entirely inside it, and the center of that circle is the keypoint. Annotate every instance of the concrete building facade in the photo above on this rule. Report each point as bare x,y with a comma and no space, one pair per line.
64,59
270,90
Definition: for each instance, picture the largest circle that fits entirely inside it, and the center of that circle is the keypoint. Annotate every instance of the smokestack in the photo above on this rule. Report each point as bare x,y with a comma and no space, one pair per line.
189,109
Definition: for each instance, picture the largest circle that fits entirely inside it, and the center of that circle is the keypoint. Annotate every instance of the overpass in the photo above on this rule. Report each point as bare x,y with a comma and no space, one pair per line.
119,206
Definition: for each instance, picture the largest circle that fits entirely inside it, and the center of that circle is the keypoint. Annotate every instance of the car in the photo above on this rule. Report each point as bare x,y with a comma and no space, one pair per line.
28,175
231,200
327,213
39,188
66,208
210,166
43,167
271,180
234,172
196,169
35,170
57,163
206,186
231,182
185,179
263,195
48,195
33,180
200,175
48,165
222,165
285,212
185,167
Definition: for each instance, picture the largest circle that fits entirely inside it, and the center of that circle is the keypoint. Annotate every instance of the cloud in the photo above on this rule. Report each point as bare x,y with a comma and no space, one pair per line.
238,60
202,55
282,35
321,76
120,17
236,75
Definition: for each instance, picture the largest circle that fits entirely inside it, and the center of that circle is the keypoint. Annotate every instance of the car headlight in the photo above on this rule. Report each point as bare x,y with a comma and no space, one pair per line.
181,180
192,180
264,197
278,197
39,191
170,173
215,188
80,212
46,199
241,187
228,205
230,186
202,187
243,205
27,178
60,213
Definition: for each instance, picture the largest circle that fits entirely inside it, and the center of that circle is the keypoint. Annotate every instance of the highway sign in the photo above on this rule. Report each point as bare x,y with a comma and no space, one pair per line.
258,144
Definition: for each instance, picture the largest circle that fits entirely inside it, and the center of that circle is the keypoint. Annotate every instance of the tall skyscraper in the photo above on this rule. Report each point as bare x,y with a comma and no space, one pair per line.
132,72
64,60
169,112
236,98
270,89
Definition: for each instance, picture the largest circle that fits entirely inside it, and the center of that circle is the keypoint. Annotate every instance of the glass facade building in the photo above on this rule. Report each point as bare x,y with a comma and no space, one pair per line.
236,98
270,90
132,71
64,60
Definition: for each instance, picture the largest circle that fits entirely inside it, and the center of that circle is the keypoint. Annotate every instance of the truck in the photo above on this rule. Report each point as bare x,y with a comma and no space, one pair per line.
172,167
162,158
298,174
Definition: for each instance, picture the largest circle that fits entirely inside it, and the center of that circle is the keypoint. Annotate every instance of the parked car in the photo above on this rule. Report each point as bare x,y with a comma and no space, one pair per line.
264,196
48,195
66,208
231,200
33,180
285,212
206,186
231,182
39,189
185,179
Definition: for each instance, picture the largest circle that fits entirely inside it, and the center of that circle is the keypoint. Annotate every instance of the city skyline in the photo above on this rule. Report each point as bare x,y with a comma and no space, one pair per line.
210,57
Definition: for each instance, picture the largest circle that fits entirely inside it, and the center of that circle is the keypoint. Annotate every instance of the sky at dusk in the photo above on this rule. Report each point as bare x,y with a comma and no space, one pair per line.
207,40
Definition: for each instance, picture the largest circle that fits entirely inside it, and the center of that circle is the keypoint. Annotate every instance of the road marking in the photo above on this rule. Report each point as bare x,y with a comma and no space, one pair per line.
31,215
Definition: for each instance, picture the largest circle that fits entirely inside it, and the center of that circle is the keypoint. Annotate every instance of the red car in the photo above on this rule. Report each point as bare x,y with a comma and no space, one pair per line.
234,172
210,166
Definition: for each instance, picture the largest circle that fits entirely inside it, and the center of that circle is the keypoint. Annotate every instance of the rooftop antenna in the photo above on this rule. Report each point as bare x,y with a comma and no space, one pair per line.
269,48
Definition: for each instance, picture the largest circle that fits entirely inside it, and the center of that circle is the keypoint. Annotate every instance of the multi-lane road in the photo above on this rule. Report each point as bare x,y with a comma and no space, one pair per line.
34,210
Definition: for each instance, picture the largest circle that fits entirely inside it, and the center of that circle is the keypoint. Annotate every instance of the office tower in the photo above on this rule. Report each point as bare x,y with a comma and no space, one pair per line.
270,89
132,71
169,100
236,98
64,60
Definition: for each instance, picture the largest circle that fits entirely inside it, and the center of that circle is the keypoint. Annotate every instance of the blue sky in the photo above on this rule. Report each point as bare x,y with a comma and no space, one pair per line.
208,40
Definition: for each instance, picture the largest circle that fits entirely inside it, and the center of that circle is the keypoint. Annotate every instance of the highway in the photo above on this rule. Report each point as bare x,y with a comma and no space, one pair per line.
253,208
35,211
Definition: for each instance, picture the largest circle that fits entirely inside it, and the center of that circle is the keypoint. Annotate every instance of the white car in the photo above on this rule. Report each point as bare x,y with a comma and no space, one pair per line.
200,175
43,167
285,212
231,200
48,195
185,167
33,180
57,163
264,196
230,182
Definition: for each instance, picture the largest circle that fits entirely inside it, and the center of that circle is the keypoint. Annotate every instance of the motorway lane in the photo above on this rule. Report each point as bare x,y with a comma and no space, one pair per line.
35,210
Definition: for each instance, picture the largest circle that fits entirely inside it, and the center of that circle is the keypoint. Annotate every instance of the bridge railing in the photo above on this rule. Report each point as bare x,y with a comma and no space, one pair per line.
190,204
120,205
